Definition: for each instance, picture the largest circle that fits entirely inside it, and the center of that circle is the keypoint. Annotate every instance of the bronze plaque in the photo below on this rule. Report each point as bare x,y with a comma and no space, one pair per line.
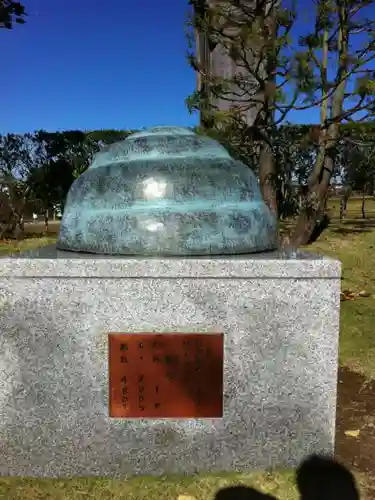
174,375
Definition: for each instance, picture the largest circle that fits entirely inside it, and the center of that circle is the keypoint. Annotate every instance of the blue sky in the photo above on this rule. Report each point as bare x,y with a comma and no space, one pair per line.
89,64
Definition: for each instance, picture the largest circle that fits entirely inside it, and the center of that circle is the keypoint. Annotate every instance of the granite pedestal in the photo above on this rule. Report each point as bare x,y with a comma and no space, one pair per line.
280,319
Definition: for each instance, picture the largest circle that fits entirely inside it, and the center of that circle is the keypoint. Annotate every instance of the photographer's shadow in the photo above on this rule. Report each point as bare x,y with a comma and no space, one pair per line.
317,478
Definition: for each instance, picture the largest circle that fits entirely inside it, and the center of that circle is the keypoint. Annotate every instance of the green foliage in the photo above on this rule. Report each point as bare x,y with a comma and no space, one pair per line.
11,12
357,153
50,183
335,66
37,170
276,71
245,31
301,77
109,136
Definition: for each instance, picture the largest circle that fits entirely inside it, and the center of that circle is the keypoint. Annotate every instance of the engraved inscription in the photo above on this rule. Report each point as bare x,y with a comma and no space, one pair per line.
172,375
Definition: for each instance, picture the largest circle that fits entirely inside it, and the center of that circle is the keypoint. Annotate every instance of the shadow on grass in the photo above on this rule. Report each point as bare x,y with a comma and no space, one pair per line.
49,234
317,478
353,226
351,230
29,236
350,226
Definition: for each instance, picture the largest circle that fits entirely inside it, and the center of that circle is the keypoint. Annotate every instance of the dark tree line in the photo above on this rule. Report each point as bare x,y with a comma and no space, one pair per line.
37,170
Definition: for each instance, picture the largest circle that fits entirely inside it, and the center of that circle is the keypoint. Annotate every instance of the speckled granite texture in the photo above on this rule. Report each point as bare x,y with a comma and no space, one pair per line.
166,191
280,318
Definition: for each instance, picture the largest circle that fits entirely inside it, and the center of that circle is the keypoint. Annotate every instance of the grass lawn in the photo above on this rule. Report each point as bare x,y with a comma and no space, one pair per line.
353,242
145,488
354,207
8,246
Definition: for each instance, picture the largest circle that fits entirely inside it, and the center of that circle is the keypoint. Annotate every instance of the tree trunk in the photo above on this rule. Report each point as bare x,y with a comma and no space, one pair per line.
363,208
267,178
342,209
313,212
46,220
344,201
21,223
3,230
